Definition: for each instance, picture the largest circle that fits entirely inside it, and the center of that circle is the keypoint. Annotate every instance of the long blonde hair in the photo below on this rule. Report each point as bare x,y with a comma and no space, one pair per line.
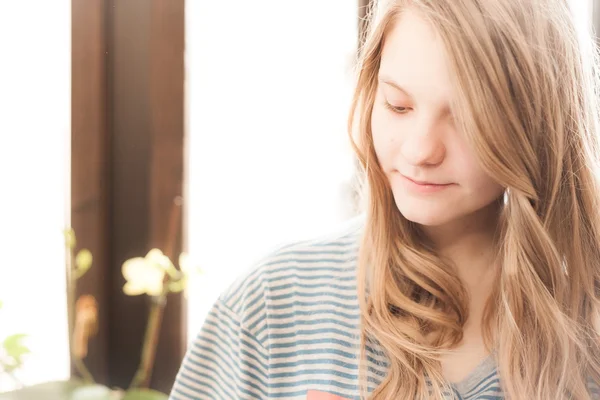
527,98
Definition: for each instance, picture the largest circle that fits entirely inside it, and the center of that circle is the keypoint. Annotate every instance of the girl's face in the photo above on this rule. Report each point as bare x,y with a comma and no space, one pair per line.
433,172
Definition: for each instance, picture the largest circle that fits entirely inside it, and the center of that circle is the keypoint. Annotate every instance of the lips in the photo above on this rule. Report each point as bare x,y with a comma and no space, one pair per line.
425,183
422,187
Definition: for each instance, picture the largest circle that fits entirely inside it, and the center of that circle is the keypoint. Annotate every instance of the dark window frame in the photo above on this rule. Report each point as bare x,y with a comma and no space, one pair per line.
127,169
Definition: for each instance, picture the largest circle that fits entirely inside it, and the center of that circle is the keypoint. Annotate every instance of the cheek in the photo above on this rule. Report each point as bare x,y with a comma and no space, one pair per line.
472,175
484,186
478,182
383,138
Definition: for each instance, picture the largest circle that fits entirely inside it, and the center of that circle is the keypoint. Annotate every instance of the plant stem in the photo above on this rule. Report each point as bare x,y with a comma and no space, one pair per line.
173,228
70,298
144,372
82,369
151,336
11,374
17,381
71,293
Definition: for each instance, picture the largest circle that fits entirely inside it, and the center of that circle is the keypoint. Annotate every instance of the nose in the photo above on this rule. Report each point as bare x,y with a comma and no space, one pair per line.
423,146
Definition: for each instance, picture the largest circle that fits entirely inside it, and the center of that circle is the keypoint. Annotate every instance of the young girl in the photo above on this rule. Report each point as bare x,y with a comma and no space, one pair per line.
475,271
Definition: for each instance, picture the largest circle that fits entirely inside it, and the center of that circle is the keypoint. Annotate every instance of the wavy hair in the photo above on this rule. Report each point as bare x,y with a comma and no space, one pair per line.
526,87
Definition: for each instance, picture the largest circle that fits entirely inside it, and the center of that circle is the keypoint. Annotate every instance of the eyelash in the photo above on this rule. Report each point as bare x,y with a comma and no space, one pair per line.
397,110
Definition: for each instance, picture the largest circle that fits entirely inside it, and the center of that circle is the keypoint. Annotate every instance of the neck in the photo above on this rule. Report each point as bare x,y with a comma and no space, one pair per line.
469,243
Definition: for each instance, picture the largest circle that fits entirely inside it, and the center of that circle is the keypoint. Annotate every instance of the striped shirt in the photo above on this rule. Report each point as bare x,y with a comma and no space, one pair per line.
290,330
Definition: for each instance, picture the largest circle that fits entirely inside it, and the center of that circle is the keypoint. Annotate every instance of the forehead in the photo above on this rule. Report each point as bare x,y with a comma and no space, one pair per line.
414,57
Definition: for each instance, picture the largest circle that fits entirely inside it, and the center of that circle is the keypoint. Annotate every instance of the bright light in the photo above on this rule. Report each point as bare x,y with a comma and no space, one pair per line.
582,10
35,38
268,97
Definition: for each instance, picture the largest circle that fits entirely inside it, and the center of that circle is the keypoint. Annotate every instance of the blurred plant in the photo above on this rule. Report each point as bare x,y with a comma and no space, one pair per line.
11,356
154,275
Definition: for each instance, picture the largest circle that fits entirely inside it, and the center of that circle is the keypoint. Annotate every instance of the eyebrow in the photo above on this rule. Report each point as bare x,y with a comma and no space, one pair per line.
390,82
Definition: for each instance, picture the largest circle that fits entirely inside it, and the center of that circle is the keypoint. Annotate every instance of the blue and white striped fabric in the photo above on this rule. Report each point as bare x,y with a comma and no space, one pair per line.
290,328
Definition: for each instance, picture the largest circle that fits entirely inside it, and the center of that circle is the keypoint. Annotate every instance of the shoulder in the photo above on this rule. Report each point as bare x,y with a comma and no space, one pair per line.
293,311
334,253
293,270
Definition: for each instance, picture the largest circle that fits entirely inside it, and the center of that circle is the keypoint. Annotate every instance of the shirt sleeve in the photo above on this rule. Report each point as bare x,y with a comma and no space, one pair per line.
224,362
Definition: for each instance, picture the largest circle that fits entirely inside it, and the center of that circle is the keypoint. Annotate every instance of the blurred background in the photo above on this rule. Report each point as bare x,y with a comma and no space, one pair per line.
217,128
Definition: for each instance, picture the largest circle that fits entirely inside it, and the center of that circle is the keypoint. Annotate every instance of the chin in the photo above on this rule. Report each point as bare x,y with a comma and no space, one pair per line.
426,215
426,219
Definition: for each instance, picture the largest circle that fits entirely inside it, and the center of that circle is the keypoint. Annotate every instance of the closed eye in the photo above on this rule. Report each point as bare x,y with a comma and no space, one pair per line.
397,109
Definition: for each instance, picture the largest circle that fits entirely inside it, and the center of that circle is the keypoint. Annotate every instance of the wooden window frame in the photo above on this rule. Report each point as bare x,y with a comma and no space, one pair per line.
127,163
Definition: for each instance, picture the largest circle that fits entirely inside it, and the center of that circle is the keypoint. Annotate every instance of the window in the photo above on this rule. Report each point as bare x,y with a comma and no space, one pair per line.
269,158
34,155
583,10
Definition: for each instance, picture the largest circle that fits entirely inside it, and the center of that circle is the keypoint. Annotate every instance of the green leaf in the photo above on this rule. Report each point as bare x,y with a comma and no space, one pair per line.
14,348
59,390
144,394
70,239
